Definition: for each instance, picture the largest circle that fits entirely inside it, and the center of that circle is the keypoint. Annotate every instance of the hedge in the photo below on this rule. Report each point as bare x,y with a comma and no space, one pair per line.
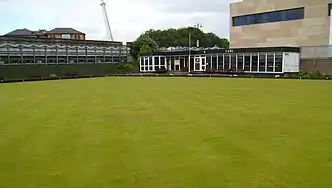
50,71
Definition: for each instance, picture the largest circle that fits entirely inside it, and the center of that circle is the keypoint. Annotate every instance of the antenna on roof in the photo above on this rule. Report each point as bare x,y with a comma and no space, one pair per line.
106,20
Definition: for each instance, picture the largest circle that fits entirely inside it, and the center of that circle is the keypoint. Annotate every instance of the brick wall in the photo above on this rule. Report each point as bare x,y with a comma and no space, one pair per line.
321,65
72,36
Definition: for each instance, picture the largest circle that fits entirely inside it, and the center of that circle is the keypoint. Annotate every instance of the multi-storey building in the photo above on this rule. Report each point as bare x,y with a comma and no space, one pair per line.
24,50
267,23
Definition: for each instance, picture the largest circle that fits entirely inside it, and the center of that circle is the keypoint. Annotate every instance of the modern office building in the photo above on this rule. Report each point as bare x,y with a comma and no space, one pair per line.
266,23
273,60
56,33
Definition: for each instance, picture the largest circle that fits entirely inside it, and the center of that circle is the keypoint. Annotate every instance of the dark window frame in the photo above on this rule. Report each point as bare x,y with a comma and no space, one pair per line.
329,9
269,17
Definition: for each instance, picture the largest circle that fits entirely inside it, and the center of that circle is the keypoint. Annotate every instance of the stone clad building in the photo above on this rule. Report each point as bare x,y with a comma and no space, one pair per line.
266,23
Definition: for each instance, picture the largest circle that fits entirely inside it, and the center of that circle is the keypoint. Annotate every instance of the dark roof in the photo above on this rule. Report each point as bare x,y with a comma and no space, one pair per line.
214,51
51,41
64,31
19,32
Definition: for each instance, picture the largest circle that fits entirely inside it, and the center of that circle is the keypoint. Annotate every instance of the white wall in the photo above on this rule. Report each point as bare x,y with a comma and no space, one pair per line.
291,62
330,34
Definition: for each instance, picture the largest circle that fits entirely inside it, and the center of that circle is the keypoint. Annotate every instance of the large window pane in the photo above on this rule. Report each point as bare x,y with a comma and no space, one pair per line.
233,62
162,61
156,61
262,62
254,62
150,61
252,19
208,59
240,61
236,21
330,8
246,62
279,57
295,14
214,61
182,63
220,61
142,61
203,62
270,62
172,63
275,16
226,61
267,17
146,61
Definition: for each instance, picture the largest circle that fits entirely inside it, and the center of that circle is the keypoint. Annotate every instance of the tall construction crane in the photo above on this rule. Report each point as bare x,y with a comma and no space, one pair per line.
107,22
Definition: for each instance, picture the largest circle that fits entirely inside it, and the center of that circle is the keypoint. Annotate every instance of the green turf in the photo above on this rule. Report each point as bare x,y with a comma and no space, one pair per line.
166,132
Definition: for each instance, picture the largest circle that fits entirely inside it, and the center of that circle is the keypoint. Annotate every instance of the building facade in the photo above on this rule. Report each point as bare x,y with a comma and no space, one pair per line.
266,23
34,51
273,60
65,33
56,33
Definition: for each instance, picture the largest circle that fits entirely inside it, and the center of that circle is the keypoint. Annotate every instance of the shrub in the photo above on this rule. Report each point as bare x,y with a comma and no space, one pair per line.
128,67
302,73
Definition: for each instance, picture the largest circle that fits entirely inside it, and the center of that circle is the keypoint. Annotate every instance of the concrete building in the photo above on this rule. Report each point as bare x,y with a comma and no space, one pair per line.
57,33
266,23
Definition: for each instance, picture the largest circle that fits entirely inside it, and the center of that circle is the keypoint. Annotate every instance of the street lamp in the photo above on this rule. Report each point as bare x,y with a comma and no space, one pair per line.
198,26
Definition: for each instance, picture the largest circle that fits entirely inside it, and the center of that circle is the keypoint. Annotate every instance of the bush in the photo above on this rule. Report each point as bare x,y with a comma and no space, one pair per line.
302,73
313,75
128,67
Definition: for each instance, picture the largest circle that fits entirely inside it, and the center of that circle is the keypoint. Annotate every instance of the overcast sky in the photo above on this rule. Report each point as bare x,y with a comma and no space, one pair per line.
128,18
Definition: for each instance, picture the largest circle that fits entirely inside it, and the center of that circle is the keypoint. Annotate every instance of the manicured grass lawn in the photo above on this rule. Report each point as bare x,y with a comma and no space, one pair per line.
166,132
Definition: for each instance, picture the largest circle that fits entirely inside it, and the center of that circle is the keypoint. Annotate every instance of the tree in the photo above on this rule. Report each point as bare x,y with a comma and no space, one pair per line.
143,42
144,48
176,37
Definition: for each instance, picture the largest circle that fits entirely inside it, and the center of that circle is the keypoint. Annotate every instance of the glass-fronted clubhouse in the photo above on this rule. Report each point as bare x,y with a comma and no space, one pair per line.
273,60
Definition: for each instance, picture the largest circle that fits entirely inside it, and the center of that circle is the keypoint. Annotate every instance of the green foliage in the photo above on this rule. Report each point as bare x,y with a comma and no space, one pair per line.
176,37
50,71
128,67
302,73
143,44
313,75
146,48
